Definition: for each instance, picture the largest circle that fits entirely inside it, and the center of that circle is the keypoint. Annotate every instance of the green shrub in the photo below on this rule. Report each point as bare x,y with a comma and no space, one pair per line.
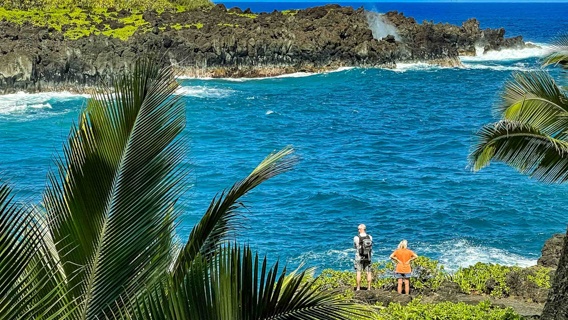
445,310
427,273
484,278
540,276
343,281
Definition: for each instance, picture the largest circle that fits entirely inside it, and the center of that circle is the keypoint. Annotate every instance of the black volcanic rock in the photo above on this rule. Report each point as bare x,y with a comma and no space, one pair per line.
221,43
551,251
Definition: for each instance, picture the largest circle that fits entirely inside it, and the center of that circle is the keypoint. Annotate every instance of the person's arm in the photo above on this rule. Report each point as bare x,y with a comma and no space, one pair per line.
393,257
356,242
414,256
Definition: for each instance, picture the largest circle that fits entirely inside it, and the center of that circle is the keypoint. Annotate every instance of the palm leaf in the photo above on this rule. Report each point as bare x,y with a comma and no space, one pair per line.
523,147
213,227
559,54
110,207
532,90
234,285
31,282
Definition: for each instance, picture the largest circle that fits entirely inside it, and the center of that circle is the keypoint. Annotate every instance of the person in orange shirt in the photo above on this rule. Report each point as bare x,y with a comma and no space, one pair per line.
402,256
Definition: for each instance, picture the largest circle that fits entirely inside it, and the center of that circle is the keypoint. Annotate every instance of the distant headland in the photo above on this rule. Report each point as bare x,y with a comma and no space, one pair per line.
70,49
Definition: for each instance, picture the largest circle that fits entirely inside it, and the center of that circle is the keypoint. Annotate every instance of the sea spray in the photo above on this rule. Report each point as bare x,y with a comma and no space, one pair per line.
380,26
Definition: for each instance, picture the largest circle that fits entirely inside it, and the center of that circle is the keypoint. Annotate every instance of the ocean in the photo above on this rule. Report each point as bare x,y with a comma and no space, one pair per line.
387,148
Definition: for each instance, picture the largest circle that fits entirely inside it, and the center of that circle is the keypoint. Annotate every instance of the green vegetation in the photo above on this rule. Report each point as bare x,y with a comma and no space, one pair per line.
230,25
78,23
246,15
428,274
116,4
476,278
102,243
445,310
531,135
290,12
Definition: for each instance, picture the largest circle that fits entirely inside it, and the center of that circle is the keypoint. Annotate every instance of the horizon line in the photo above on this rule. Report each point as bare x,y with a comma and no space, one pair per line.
400,1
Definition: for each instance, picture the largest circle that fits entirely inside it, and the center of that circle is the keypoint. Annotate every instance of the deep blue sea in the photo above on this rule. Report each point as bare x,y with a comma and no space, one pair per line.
381,147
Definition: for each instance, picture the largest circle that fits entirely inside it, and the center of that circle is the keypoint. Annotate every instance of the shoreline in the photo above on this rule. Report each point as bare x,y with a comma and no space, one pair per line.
228,43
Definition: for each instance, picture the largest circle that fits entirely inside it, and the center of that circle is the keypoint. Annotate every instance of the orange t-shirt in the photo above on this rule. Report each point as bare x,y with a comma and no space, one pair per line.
403,255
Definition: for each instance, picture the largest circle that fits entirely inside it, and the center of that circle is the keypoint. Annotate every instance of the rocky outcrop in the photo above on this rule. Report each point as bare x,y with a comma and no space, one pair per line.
550,254
232,43
556,307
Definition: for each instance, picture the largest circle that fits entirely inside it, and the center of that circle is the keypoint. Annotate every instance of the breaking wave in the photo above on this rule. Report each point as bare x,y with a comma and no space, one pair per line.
203,92
452,255
462,253
288,75
510,54
23,106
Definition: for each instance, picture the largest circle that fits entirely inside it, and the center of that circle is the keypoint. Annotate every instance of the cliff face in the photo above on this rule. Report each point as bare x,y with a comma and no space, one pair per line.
233,43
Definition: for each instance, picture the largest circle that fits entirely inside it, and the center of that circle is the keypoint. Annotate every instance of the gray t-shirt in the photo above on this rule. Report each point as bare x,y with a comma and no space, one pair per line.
357,245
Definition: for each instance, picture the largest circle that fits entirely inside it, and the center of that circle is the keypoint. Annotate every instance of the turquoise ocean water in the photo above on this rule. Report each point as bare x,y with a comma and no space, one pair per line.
381,147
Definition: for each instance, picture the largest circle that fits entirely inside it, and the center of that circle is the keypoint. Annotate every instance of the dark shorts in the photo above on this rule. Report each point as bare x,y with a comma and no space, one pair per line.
362,265
402,275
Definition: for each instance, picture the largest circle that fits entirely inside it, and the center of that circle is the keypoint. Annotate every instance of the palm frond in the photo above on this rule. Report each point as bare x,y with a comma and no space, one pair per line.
31,282
110,207
524,148
213,227
541,114
532,90
559,54
235,285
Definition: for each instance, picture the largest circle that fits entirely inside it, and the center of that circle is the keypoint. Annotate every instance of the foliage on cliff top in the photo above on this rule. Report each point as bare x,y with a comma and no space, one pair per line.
117,4
76,23
445,310
428,274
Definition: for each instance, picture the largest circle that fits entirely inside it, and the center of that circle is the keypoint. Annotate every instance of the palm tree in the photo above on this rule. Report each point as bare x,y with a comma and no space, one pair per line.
532,136
102,245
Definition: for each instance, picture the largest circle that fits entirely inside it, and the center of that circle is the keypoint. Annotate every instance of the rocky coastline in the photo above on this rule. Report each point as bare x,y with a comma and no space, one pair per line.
219,42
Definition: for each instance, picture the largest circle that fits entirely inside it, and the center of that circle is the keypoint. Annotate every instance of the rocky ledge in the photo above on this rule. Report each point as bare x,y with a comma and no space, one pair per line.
520,291
218,42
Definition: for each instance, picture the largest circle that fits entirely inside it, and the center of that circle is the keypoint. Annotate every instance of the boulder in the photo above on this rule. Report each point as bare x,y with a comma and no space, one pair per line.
551,251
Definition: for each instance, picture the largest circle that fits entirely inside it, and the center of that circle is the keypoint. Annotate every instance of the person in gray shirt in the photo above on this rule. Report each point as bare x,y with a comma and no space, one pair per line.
362,262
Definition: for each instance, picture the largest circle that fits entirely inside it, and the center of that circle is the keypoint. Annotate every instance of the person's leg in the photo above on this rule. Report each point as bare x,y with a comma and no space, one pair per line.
399,288
407,285
358,279
369,279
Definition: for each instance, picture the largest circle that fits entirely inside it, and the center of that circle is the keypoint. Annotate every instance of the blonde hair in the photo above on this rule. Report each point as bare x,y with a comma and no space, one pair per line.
362,226
403,244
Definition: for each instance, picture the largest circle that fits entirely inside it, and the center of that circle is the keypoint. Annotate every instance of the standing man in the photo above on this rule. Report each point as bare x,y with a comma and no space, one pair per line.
363,244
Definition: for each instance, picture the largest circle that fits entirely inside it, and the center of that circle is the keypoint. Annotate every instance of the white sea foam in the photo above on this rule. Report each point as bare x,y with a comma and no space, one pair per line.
452,255
497,67
509,54
418,66
288,75
21,102
203,92
462,253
